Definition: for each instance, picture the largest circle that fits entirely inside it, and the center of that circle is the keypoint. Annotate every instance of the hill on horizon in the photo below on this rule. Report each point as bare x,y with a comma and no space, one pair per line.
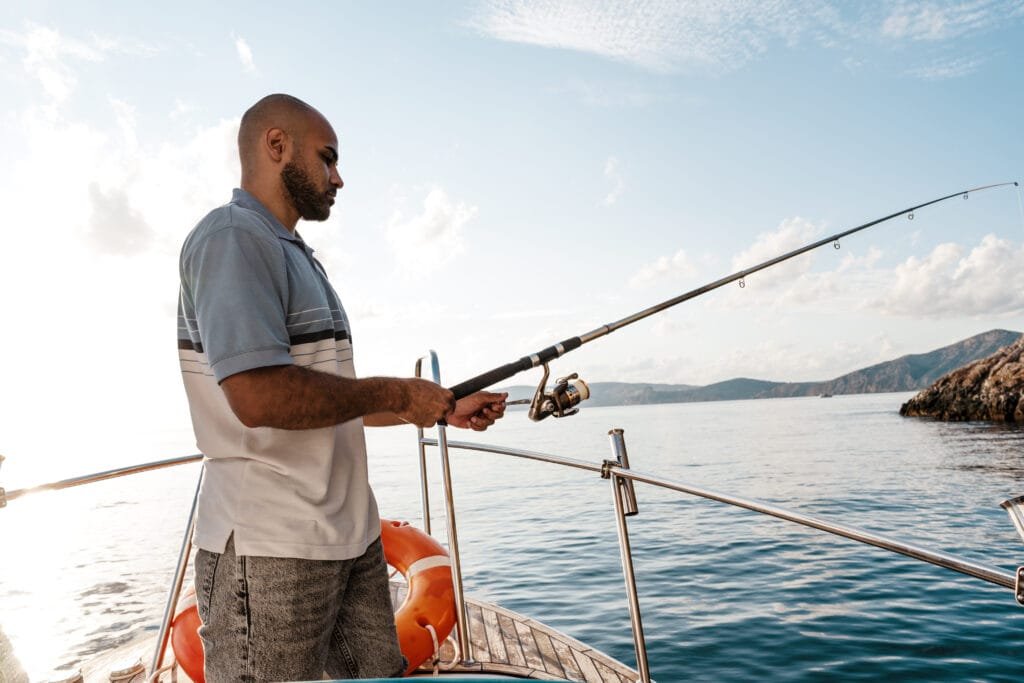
906,373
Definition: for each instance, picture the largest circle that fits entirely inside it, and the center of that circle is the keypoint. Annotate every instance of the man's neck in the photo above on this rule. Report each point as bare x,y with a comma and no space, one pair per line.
273,198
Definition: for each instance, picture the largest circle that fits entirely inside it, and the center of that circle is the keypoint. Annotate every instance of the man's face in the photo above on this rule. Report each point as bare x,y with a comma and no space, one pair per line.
311,178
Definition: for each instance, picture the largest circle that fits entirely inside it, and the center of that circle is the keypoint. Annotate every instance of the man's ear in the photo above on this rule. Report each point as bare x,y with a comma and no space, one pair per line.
275,141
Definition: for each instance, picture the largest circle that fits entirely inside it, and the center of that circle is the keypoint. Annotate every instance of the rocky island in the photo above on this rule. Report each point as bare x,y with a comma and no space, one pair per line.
988,389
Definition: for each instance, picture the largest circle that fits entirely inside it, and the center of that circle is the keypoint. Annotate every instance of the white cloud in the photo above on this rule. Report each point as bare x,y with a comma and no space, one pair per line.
933,21
181,109
115,226
794,283
677,266
791,234
987,280
49,55
245,55
662,35
945,69
110,231
45,54
432,238
614,178
672,35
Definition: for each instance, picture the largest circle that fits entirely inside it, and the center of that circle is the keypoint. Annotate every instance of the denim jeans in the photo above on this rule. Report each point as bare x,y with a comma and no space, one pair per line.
284,619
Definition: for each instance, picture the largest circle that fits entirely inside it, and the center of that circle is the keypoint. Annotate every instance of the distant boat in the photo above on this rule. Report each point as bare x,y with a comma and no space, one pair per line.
825,394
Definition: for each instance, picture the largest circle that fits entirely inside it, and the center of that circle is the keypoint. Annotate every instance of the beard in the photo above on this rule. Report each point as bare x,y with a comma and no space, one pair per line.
312,203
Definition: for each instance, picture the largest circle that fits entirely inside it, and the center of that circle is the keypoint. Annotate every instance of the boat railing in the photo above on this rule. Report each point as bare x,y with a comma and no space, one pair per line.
624,502
622,478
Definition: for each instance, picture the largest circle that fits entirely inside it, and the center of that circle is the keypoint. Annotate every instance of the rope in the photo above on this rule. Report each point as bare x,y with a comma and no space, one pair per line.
172,667
436,661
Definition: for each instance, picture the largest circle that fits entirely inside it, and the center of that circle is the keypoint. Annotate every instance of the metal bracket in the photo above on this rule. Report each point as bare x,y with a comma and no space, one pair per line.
1019,589
606,468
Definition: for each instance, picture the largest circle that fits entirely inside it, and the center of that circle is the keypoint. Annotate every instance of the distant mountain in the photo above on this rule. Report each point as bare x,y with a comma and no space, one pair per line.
907,373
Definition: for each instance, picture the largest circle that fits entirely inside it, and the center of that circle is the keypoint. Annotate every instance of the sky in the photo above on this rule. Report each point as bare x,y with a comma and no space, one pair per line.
516,172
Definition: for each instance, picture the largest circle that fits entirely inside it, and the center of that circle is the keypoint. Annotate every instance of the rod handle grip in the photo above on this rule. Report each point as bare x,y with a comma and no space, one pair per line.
475,384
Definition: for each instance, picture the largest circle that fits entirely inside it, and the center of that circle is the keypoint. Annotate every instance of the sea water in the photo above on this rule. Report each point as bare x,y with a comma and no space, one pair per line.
725,594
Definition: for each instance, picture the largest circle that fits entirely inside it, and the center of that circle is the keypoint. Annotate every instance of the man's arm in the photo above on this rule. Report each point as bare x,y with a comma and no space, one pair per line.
292,397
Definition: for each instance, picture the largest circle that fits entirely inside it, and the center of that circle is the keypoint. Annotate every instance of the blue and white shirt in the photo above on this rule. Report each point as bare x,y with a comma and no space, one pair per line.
252,296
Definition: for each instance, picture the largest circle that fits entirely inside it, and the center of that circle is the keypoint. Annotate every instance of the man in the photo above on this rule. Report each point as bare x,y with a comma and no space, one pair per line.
290,576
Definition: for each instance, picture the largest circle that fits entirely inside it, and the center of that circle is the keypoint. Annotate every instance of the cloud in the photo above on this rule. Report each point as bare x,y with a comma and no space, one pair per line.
947,68
931,21
182,109
677,266
119,193
672,35
245,55
662,35
115,227
791,234
49,56
612,175
46,52
795,283
432,238
987,280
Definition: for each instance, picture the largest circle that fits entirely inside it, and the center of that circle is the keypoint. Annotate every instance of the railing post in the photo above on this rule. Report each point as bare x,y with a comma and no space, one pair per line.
462,622
625,506
179,579
424,493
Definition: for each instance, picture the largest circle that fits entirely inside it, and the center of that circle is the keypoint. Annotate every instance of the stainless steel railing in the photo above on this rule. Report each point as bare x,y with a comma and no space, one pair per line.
619,472
461,616
8,496
979,571
624,498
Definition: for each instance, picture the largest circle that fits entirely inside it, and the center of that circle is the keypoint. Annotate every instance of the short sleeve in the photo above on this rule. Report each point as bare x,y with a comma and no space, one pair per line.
238,283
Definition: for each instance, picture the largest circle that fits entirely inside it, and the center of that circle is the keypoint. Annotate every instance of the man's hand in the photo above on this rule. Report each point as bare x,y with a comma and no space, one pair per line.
425,402
478,411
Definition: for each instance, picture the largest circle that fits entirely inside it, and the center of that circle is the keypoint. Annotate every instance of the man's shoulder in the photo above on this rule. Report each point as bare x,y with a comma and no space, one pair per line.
231,220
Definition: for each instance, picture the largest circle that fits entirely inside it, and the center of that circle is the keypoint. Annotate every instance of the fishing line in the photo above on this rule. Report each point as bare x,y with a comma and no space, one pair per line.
570,390
1020,204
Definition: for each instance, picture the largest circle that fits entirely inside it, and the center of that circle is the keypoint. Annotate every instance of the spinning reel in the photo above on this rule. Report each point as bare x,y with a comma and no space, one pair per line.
567,393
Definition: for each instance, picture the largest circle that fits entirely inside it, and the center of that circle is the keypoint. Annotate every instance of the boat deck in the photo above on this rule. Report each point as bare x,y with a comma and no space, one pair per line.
505,642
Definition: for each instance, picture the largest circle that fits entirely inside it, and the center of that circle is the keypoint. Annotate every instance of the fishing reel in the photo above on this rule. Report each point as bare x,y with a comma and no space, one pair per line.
562,400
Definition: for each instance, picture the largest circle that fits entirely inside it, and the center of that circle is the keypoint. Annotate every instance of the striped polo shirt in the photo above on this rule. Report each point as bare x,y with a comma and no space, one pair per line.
252,295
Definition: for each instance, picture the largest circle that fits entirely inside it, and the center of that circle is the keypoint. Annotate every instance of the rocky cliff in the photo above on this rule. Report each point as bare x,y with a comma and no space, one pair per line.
988,389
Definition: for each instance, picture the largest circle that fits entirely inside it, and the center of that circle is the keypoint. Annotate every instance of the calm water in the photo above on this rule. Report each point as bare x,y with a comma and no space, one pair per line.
726,594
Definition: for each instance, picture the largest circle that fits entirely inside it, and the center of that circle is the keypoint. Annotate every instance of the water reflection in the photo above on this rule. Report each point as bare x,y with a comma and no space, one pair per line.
10,667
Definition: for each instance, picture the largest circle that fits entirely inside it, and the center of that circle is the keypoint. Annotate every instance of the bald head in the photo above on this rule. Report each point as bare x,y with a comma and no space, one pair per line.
289,155
288,113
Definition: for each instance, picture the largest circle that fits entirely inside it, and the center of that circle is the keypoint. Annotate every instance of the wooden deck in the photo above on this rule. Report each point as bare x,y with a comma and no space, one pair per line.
505,642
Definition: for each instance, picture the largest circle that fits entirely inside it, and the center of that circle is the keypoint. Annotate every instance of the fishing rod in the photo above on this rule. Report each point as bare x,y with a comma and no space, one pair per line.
569,391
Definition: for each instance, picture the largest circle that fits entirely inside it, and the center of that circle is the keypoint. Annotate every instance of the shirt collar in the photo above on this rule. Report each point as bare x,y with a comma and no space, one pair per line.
247,201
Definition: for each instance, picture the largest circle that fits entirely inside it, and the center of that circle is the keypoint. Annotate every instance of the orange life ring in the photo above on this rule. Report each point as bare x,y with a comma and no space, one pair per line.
431,600
188,648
